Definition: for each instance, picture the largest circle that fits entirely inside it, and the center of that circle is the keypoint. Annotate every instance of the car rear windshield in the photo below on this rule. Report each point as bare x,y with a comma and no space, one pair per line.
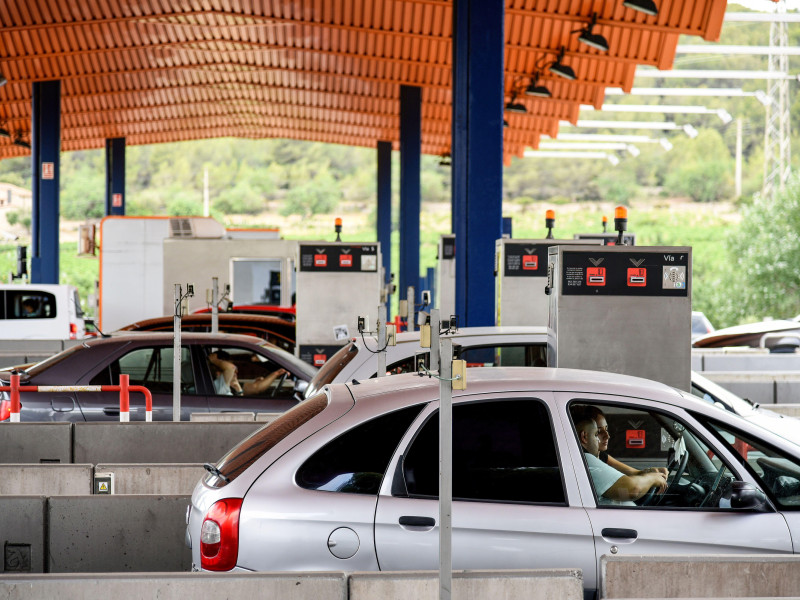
332,367
236,461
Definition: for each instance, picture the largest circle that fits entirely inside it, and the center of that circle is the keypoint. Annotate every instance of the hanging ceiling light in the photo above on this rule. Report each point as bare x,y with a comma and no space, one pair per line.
539,91
18,141
514,106
560,69
595,40
647,7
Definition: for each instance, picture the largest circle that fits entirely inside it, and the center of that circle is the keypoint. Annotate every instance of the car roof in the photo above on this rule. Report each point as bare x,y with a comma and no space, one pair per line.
224,317
494,379
462,332
167,336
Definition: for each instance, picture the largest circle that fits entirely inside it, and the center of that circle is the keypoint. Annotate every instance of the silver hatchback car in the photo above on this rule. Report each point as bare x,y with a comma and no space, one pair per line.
348,479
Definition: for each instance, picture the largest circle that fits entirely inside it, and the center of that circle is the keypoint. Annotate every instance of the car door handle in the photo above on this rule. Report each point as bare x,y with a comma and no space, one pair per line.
111,411
418,521
617,532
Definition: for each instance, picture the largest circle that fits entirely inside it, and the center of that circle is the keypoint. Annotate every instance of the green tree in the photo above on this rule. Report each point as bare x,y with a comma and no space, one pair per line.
765,251
700,168
311,194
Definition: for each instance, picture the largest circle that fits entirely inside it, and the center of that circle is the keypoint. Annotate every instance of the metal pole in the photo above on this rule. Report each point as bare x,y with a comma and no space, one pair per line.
436,326
410,317
738,177
445,469
176,356
215,305
381,340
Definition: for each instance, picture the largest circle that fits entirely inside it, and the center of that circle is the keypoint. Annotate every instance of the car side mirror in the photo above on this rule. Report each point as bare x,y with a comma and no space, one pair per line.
745,496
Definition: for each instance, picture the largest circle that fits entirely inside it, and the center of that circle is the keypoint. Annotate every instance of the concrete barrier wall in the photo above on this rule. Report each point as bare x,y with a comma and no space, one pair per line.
46,480
228,417
108,534
35,442
764,388
154,479
177,586
749,359
159,442
22,534
501,585
20,352
708,576
536,584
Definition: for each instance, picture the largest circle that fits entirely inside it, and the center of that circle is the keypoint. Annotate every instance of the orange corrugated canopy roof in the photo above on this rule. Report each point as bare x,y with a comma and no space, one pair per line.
328,71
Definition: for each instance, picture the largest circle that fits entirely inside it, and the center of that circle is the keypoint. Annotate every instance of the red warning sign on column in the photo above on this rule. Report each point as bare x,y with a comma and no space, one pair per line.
116,200
48,170
637,277
596,276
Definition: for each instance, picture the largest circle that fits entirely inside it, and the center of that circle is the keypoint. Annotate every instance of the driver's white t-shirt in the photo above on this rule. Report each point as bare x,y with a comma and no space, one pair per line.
604,477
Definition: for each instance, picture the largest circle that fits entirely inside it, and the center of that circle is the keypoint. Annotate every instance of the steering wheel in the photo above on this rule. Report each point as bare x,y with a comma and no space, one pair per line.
679,470
279,384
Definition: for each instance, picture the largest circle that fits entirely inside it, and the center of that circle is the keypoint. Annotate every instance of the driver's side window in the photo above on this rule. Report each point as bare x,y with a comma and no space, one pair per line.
240,371
637,457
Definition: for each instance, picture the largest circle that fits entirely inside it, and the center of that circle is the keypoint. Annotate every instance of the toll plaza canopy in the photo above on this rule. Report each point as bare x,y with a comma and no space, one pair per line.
154,71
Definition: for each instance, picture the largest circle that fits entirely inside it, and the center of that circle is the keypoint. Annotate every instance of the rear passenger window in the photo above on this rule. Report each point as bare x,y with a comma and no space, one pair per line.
503,451
511,355
25,304
355,462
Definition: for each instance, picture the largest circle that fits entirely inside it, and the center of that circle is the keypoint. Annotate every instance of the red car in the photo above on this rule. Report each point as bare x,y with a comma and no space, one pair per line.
273,329
287,313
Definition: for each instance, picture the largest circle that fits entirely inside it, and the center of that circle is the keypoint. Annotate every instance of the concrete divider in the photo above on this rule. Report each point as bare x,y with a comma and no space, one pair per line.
36,442
46,480
159,442
762,387
22,534
700,576
534,584
109,534
561,584
174,478
177,586
227,417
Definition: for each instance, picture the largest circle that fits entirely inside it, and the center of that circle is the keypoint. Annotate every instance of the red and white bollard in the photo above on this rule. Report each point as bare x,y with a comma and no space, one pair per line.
15,405
124,399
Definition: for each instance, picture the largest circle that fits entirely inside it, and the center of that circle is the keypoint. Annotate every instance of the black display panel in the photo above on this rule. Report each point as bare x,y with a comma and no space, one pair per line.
448,248
526,260
339,258
625,273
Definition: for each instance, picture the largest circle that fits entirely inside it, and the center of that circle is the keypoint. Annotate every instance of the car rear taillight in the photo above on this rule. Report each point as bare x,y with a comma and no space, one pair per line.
5,409
219,536
73,331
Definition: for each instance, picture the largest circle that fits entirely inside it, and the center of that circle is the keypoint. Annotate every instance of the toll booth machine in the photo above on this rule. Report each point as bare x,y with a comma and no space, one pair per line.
621,309
336,283
521,279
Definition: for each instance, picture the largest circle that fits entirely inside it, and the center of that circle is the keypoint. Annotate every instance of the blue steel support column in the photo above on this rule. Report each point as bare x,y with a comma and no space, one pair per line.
385,207
410,150
477,153
45,150
115,176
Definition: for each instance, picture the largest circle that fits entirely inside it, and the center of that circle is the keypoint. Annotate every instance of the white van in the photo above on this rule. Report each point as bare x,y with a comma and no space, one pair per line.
40,311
